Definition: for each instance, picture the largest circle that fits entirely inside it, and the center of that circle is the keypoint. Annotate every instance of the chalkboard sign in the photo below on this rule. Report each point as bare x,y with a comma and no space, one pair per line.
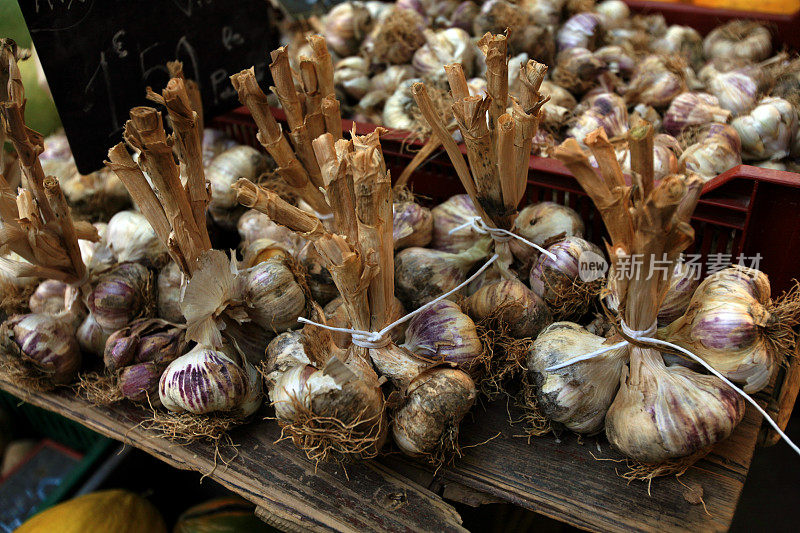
100,55
304,8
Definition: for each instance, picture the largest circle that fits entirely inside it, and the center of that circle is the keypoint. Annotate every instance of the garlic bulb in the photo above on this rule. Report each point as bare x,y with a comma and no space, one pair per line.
422,274
603,110
304,394
577,69
768,130
614,12
412,225
683,41
561,281
318,279
384,84
580,31
693,109
96,255
49,297
733,325
558,95
275,298
169,293
544,11
351,75
512,303
444,47
463,15
542,224
738,39
221,382
395,37
131,238
719,150
262,250
253,225
144,340
529,33
436,401
662,413
121,295
450,214
397,109
91,337
656,81
284,352
442,332
617,60
225,169
736,91
346,25
682,284
576,396
214,143
45,343
666,151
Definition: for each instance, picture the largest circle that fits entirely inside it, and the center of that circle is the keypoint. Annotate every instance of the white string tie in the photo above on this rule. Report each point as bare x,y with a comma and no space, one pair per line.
498,234
645,336
379,339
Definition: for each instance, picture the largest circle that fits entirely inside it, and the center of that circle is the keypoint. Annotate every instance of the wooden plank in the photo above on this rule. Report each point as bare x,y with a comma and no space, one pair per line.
564,481
285,486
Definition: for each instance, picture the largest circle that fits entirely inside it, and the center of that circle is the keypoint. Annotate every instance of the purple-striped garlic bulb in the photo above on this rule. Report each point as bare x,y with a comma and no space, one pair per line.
122,295
91,337
718,149
603,110
583,30
254,225
442,332
422,274
205,381
682,41
450,214
412,224
275,298
617,60
657,81
139,354
576,396
44,344
169,293
49,297
578,70
736,91
512,303
693,109
768,131
682,284
745,40
543,223
572,281
734,325
436,401
345,26
662,413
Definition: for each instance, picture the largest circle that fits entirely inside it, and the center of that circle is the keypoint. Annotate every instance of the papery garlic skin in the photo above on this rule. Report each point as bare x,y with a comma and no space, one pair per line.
346,25
768,130
412,225
739,39
579,31
614,12
444,47
727,324
131,238
436,401
662,413
617,60
422,274
47,341
682,284
542,224
577,69
384,84
139,382
693,109
91,337
450,214
49,297
603,110
254,225
238,162
736,91
718,150
683,41
125,293
283,353
205,381
576,396
666,150
563,265
656,81
351,75
442,332
514,304
275,298
169,293
398,106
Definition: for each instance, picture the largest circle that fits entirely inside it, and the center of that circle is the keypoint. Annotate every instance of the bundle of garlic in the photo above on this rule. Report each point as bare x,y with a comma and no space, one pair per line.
586,382
216,295
39,349
327,397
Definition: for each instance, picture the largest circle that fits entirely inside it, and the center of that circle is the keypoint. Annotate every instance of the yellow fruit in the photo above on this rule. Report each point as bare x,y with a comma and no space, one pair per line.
117,510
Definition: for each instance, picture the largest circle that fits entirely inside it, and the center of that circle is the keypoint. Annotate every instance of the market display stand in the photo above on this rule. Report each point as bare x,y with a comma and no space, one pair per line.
566,479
